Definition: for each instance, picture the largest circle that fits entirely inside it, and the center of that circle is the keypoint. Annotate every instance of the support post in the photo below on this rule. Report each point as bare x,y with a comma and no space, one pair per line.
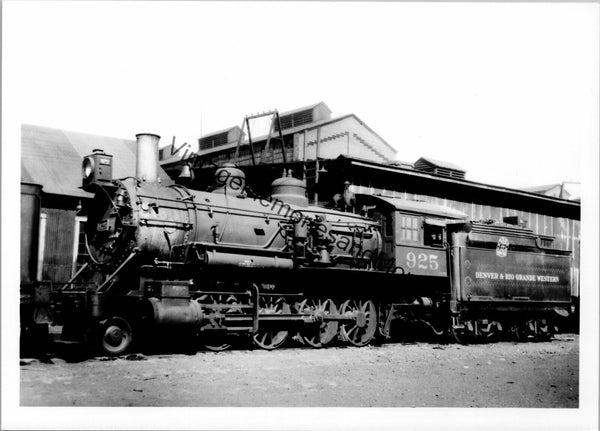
304,156
317,166
250,142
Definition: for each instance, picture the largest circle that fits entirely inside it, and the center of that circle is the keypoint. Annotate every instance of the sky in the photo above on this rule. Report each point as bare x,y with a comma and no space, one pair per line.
507,91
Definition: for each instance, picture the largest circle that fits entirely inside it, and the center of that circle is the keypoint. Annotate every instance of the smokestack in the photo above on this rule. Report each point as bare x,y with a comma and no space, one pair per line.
147,157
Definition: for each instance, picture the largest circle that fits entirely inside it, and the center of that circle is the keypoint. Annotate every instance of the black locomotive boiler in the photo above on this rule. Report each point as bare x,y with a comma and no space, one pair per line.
224,265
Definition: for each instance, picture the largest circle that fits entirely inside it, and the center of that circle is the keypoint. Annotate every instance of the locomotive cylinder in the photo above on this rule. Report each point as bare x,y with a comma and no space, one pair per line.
147,157
172,312
173,307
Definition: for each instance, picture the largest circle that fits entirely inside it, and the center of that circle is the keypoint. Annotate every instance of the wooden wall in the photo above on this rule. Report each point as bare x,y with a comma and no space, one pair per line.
58,251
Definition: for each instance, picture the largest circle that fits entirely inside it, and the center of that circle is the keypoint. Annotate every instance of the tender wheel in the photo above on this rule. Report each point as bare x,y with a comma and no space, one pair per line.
524,331
266,337
116,336
544,331
484,330
362,329
518,333
532,330
468,334
321,333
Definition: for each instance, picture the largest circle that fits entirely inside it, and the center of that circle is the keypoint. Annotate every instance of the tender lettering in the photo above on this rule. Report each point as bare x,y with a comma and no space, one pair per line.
517,277
489,275
548,278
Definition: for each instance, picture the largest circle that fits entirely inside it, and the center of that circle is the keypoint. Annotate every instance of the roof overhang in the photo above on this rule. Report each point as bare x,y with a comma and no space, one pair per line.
417,207
459,182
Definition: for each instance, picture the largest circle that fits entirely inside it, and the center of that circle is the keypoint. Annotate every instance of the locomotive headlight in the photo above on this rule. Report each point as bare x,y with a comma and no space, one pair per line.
87,168
96,169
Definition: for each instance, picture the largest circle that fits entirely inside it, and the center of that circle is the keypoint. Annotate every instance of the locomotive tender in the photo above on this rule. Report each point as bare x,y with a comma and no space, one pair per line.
225,265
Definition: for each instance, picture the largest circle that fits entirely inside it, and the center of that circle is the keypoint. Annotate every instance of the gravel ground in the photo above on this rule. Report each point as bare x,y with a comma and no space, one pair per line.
504,374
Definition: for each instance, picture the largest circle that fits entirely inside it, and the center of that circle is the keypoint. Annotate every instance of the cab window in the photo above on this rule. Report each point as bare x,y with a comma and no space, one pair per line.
388,229
433,235
409,228
386,223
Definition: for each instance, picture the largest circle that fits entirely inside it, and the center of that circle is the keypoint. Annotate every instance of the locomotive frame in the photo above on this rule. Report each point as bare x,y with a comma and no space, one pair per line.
223,266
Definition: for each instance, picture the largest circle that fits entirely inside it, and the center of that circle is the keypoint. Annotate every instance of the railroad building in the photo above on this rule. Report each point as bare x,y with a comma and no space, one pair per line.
329,151
308,133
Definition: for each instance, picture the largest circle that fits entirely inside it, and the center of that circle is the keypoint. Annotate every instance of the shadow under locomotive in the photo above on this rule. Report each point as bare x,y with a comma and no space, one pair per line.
225,267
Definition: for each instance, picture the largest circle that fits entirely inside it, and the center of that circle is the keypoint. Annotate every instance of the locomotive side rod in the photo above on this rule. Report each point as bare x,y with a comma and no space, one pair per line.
300,317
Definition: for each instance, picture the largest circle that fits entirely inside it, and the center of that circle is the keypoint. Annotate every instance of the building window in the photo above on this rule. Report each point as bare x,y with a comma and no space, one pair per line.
294,120
409,228
213,141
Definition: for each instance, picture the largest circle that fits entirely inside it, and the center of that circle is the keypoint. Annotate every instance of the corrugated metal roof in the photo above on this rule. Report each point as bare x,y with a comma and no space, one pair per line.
218,132
52,157
440,164
540,189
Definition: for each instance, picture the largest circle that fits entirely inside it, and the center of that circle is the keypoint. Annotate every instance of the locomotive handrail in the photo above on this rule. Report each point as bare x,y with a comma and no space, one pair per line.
255,213
165,223
114,274
233,247
75,276
213,207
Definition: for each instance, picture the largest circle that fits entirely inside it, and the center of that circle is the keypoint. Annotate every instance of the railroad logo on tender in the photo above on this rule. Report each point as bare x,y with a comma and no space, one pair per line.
502,247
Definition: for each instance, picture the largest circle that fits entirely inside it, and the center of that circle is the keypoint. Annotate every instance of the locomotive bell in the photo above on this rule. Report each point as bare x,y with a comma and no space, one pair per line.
186,176
289,190
229,180
186,173
96,169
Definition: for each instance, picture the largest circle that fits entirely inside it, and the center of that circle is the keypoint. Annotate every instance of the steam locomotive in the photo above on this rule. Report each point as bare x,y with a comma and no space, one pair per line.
224,266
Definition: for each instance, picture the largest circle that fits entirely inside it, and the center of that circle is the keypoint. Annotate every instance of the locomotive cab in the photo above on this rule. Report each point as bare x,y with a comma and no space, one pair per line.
414,233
